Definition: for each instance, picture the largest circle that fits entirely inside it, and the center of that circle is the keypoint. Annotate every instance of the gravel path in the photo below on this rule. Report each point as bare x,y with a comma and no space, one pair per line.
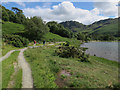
7,55
27,81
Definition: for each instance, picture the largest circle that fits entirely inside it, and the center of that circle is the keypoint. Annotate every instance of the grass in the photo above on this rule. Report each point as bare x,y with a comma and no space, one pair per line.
8,70
54,37
42,75
18,79
57,38
99,73
9,28
106,29
6,48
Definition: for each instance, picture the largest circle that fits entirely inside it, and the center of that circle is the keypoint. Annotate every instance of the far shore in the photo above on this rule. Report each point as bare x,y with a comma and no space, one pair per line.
102,41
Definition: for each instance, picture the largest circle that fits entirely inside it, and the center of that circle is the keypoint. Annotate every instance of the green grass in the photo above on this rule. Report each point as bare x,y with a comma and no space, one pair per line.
6,48
56,37
42,75
0,75
9,28
18,79
99,73
8,68
106,29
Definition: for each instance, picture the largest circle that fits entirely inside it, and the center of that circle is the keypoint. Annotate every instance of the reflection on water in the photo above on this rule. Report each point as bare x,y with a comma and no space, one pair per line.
108,50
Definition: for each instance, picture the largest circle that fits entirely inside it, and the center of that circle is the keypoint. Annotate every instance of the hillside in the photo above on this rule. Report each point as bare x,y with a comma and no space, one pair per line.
106,29
54,37
107,26
74,26
10,28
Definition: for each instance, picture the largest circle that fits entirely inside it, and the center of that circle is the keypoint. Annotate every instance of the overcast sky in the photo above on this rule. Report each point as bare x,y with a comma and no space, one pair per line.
83,12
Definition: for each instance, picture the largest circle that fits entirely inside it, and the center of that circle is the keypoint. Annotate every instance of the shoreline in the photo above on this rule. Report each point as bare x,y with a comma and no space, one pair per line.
106,59
101,41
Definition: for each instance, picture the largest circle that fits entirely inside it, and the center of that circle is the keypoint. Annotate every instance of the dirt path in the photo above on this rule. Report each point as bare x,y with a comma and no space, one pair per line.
7,55
27,81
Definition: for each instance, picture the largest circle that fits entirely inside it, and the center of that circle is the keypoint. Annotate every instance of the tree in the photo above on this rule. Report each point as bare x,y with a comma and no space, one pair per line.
80,36
5,15
19,16
35,28
59,29
17,10
11,16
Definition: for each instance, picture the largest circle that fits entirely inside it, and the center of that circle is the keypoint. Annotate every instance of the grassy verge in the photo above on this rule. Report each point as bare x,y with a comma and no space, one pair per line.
52,71
18,79
42,75
6,48
8,70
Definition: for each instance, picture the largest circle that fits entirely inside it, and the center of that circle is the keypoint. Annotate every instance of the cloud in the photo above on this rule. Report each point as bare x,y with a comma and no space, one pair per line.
107,8
59,0
21,4
65,11
47,5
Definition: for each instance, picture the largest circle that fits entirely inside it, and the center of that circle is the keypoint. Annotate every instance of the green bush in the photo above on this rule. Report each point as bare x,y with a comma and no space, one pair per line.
16,40
67,43
72,51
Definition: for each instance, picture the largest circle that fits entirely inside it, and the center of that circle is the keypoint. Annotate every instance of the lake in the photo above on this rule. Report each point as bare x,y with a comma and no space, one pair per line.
108,50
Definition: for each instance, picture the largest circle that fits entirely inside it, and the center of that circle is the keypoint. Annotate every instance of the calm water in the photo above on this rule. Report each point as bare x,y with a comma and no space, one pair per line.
108,50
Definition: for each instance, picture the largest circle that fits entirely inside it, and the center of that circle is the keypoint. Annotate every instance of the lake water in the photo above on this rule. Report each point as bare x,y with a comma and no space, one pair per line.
108,50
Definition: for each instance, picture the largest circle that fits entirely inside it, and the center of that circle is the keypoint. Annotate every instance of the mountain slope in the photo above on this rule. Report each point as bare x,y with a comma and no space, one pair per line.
107,26
74,26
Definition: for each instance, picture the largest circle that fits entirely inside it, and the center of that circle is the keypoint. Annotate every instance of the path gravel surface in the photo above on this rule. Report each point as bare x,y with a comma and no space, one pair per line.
27,80
7,55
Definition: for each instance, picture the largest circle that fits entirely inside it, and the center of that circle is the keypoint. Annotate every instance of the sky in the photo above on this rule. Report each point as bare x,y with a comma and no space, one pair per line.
83,12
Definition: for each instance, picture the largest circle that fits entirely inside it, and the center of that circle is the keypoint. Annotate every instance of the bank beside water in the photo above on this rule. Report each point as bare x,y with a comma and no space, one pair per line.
46,67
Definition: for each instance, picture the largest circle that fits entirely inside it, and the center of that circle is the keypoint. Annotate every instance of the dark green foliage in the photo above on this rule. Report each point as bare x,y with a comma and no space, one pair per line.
12,16
74,26
16,40
106,37
35,28
72,51
67,43
80,36
5,15
15,16
59,29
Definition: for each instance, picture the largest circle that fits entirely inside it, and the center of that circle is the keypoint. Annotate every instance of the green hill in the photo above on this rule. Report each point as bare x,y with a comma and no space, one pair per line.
54,37
106,29
107,26
74,26
10,28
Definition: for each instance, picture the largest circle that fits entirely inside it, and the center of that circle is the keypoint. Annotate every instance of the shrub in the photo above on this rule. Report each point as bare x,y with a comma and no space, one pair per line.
72,51
16,40
67,43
